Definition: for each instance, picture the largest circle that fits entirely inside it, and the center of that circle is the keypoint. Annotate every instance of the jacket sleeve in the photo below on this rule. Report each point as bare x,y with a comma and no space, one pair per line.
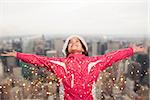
102,62
55,65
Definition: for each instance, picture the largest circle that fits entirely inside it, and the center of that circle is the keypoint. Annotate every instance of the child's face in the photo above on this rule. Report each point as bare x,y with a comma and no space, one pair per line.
75,46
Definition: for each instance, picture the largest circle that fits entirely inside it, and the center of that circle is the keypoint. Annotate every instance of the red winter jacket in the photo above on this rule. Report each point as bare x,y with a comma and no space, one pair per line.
77,72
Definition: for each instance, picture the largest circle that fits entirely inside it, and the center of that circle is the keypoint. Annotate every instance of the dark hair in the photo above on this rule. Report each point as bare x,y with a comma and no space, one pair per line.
83,46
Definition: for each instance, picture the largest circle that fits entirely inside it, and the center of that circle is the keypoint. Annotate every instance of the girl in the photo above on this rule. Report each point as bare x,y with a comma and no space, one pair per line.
77,72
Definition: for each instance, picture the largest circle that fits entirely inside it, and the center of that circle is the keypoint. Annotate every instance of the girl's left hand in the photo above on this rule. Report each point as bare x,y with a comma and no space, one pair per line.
138,49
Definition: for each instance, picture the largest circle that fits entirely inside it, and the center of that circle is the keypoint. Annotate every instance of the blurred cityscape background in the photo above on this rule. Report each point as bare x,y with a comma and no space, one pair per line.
41,27
125,80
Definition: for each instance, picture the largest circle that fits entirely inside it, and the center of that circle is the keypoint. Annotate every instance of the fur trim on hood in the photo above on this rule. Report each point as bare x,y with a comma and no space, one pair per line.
67,41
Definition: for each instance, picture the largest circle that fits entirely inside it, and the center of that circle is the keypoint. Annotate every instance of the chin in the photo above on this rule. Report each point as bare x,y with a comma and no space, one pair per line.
75,51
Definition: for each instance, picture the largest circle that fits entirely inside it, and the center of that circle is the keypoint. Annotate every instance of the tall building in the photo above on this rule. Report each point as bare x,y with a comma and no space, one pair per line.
27,46
58,45
94,48
101,48
7,45
89,43
114,45
39,46
1,70
49,45
17,44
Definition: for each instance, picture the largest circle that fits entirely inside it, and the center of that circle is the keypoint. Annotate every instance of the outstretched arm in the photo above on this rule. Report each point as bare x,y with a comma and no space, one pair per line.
55,65
7,54
122,54
28,58
102,62
138,49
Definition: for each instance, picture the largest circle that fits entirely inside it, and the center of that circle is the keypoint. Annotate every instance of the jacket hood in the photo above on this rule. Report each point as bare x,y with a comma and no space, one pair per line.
67,41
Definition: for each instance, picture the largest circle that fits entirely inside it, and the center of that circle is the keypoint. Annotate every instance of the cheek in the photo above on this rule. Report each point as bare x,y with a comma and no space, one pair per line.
69,48
80,46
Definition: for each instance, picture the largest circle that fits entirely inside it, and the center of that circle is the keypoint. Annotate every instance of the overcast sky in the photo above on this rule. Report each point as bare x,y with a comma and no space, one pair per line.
63,17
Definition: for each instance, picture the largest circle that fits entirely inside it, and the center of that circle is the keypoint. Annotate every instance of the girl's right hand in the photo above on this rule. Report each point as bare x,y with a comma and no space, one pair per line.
14,54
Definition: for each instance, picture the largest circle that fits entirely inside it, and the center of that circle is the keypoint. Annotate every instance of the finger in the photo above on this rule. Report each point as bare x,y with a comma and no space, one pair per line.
141,46
13,51
5,52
